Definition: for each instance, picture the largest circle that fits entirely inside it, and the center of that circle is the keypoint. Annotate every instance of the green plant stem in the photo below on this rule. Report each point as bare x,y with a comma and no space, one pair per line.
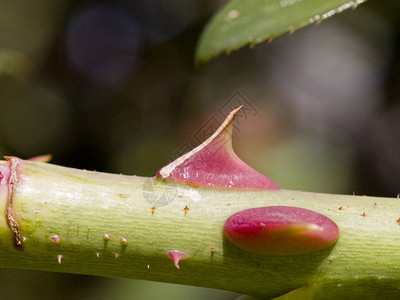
83,208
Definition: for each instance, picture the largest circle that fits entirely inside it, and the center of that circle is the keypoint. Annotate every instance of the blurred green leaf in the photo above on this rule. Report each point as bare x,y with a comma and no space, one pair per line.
30,27
14,63
241,22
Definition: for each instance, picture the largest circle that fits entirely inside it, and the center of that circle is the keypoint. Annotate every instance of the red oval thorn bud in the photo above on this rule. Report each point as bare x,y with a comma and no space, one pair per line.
176,256
280,230
215,164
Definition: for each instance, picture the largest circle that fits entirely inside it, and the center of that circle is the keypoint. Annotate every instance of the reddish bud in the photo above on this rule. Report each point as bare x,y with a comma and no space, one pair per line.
215,164
280,230
176,256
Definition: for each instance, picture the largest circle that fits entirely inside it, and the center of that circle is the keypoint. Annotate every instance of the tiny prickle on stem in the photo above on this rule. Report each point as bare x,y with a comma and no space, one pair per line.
177,256
280,230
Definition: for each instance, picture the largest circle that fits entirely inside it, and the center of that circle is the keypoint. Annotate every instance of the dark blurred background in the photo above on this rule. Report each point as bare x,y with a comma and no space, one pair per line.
112,86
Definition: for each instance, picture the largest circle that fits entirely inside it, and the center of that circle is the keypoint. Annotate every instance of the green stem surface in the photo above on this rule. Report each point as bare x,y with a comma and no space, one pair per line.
83,209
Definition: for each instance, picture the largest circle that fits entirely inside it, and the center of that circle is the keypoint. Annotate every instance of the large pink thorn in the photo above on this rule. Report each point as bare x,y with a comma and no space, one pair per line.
215,164
280,230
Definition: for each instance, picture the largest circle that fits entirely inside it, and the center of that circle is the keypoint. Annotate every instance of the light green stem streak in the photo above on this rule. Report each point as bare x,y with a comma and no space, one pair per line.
81,206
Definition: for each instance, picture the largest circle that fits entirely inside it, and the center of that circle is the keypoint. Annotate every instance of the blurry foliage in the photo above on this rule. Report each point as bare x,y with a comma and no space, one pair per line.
113,87
241,23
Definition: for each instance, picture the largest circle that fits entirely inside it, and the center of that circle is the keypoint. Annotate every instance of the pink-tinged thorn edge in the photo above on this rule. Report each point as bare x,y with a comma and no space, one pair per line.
5,171
42,158
280,230
11,183
59,258
215,164
176,256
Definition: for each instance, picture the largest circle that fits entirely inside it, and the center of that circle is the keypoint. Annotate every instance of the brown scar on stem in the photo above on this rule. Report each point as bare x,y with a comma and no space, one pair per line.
10,213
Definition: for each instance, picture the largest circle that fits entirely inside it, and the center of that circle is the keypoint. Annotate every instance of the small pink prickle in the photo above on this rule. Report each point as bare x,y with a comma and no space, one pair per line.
177,256
55,239
280,230
124,242
186,209
59,258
